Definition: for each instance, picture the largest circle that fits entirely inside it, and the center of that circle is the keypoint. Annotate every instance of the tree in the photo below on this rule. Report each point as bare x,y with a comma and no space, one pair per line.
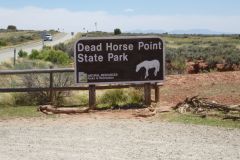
12,27
117,31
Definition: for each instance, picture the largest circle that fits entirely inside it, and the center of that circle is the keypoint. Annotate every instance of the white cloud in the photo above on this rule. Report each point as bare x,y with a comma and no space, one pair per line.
38,18
128,10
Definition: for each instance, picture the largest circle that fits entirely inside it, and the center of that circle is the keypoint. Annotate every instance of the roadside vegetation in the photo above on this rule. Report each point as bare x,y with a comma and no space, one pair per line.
188,54
19,112
11,36
58,56
184,54
196,120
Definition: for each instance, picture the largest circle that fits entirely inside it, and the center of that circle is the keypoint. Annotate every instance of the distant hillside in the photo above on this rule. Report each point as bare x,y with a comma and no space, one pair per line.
11,38
191,31
196,31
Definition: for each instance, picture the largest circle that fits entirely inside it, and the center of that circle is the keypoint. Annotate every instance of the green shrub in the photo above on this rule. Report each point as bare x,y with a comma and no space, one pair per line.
179,64
60,46
47,47
212,61
114,97
233,58
134,95
57,57
7,99
51,55
25,99
22,54
79,98
34,54
118,97
3,42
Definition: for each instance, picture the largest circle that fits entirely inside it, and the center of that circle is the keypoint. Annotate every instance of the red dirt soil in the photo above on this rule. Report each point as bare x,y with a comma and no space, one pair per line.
222,87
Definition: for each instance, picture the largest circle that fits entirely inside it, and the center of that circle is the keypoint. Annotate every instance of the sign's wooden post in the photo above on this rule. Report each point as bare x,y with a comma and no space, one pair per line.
147,93
92,96
157,93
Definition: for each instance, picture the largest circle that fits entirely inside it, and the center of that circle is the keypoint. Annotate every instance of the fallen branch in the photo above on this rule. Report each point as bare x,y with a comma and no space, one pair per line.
202,107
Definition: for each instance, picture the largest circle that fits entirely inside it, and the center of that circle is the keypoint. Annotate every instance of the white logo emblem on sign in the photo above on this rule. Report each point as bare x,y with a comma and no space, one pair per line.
149,65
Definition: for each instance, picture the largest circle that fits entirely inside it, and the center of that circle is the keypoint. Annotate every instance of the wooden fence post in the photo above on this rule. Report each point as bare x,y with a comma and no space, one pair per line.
147,93
14,56
51,86
157,93
92,96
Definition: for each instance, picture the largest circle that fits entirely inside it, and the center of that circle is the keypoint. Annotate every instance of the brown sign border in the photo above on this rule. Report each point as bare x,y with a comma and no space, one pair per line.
119,82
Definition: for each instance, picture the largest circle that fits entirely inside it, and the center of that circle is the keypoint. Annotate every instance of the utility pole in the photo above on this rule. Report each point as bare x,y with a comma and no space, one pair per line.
95,26
42,37
42,43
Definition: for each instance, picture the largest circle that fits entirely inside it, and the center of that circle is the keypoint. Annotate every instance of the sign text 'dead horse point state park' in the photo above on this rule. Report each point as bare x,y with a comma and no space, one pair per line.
119,60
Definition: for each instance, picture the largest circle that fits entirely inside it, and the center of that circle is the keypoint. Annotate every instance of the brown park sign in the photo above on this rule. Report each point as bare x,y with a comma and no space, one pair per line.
119,60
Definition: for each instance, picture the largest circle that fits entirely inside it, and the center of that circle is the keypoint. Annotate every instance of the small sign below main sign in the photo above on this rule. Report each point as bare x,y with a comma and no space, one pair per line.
119,60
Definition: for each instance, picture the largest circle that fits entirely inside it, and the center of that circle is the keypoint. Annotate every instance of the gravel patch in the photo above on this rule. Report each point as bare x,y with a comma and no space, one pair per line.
114,139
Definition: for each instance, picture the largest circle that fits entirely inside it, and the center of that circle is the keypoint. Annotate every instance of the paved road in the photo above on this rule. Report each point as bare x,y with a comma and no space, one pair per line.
114,139
7,53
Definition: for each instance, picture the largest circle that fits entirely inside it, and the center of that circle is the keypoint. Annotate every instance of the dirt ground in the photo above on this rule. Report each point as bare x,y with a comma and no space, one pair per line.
84,137
119,134
222,87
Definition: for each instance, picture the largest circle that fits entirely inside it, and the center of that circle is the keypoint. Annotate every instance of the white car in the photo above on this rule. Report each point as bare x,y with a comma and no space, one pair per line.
48,37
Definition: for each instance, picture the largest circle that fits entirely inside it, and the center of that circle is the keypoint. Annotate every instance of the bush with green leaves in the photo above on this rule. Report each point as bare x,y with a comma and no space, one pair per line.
34,54
119,97
179,65
233,58
26,99
47,54
56,57
61,47
212,61
135,95
3,42
6,99
22,54
79,98
114,97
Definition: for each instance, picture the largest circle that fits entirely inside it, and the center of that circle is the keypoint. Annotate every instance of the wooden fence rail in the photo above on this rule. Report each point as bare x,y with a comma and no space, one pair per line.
147,87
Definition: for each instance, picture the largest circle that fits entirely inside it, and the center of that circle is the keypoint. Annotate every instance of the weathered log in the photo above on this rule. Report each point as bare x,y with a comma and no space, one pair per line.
148,112
48,109
232,117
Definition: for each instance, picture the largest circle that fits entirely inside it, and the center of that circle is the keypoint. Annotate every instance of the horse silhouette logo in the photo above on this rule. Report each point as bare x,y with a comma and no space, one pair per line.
149,65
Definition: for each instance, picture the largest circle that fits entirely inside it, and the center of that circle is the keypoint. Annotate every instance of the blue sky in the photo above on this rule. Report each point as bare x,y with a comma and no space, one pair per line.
158,14
165,7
